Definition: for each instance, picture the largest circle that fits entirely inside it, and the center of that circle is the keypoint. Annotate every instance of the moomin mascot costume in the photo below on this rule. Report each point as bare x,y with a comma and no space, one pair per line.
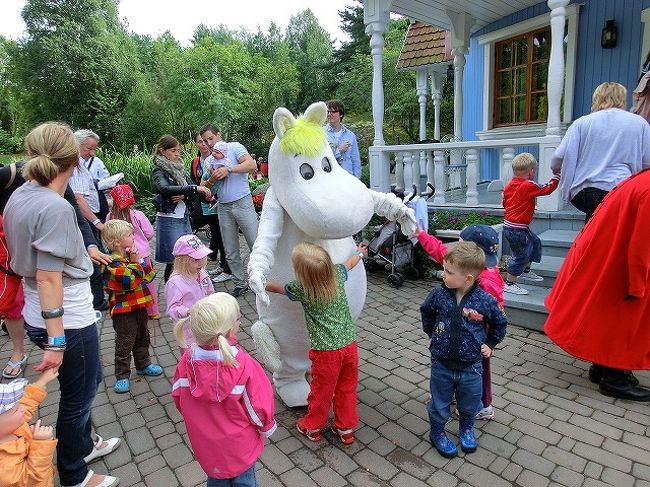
310,199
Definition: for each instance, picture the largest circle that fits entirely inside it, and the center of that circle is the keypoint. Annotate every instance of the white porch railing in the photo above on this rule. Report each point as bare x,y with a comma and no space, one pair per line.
429,164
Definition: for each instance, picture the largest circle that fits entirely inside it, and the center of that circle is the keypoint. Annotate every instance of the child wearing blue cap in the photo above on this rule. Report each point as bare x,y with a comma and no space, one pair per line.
489,280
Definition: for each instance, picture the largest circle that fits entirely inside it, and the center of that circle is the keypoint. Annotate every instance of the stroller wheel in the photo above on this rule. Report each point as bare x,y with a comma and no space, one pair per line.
395,280
413,273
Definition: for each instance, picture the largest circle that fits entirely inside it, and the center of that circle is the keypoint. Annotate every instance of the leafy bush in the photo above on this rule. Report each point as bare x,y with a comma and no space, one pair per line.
449,220
9,144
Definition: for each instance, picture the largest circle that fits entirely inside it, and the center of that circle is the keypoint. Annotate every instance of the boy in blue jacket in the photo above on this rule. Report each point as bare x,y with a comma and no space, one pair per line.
464,324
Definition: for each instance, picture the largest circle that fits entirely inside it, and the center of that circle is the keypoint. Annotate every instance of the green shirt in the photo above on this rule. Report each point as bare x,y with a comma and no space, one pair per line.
330,324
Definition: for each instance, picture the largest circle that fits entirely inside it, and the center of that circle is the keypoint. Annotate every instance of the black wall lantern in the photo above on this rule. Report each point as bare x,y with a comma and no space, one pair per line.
450,71
610,35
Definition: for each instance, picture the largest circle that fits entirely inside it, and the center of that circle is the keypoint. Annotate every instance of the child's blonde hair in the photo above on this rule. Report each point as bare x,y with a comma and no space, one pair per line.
183,265
212,319
468,256
114,230
523,162
315,271
121,213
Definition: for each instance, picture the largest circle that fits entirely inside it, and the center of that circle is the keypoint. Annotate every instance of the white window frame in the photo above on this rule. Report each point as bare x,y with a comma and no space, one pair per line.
490,39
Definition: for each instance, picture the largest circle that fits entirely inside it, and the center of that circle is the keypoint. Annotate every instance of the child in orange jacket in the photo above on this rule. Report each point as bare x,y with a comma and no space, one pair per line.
25,451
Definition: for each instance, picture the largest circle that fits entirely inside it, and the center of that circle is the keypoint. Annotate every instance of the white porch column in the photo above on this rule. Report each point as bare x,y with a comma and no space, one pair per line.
461,23
376,18
471,175
552,202
439,177
555,82
436,97
421,91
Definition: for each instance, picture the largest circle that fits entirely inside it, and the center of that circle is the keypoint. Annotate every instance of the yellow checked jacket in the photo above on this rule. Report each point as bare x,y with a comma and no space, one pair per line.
127,284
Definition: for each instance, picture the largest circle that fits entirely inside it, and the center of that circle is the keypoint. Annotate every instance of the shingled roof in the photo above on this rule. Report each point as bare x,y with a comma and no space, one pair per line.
424,45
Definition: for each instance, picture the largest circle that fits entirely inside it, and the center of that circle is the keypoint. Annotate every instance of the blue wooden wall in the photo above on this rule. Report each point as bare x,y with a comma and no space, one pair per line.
594,64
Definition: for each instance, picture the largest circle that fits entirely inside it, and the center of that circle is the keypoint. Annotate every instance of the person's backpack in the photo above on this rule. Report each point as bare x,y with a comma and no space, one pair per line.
641,98
9,280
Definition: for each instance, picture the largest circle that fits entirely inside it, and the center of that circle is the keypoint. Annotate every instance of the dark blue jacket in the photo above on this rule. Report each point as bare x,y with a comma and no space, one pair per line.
456,330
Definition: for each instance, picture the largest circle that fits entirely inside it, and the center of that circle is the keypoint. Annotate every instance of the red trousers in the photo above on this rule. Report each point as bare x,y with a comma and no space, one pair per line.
334,378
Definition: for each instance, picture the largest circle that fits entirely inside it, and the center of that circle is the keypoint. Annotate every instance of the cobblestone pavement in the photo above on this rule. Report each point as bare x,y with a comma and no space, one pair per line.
551,428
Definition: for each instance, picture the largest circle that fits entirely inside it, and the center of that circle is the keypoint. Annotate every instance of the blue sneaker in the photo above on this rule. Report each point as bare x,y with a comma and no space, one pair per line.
468,441
444,445
151,369
122,386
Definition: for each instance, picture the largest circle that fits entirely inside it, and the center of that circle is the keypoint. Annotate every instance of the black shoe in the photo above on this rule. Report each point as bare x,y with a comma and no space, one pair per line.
596,374
102,307
624,391
239,290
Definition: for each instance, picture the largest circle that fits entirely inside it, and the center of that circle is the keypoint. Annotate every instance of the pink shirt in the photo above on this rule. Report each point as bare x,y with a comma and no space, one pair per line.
181,293
143,232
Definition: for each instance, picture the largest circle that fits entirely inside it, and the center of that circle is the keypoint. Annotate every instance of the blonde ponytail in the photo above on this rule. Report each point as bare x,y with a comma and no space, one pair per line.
53,149
178,332
226,352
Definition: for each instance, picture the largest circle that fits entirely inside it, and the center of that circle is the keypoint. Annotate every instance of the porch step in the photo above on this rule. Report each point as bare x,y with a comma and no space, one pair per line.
548,268
527,310
556,243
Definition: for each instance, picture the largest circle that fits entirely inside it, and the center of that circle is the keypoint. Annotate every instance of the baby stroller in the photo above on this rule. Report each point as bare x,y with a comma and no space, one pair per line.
390,246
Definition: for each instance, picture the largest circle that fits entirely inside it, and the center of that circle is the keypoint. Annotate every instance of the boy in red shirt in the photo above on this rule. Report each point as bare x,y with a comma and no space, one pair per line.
519,202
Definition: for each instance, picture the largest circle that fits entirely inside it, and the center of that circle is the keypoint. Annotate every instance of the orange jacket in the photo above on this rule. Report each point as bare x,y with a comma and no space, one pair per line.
25,462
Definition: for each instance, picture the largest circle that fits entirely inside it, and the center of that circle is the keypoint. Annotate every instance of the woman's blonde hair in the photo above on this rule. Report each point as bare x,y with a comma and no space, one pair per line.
52,149
212,319
609,95
183,265
114,230
315,271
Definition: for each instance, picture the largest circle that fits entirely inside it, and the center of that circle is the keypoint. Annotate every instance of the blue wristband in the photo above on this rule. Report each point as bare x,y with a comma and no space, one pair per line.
56,340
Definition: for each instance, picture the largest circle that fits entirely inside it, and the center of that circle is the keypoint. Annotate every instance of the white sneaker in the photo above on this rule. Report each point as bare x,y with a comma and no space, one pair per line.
515,289
215,271
222,277
485,413
531,276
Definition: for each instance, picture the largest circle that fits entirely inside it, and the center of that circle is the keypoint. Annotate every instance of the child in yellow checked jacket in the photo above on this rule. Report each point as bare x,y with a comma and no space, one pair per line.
125,280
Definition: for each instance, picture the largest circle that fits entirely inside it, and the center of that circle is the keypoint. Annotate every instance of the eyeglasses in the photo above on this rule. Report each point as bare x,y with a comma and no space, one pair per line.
332,111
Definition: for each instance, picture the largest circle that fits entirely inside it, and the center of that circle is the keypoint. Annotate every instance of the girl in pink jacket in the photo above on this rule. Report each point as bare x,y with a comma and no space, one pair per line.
489,280
223,394
124,209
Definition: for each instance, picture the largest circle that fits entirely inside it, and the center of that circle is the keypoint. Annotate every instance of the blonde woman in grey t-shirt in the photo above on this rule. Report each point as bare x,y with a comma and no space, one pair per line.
48,251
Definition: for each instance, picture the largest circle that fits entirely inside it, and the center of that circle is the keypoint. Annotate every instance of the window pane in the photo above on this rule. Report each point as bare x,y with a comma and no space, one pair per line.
539,107
506,55
520,109
505,83
522,51
503,110
540,76
541,45
520,80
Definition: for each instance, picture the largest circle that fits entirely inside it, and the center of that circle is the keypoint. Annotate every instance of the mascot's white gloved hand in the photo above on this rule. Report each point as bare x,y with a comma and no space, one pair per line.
257,282
390,206
267,346
407,221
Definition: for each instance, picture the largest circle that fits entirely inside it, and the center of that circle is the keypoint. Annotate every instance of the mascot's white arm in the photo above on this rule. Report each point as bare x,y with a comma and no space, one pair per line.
262,255
390,206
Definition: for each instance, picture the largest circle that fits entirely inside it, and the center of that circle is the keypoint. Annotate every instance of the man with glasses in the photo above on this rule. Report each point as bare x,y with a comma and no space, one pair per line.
341,139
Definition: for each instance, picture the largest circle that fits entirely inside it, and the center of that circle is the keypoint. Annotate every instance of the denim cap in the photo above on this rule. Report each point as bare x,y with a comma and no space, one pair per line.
190,245
11,393
485,237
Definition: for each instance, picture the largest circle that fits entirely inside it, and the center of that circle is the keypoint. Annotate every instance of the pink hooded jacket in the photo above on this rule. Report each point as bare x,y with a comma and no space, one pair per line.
489,279
228,411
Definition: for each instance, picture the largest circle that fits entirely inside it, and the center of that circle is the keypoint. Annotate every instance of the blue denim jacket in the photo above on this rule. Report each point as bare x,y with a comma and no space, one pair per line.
349,160
457,331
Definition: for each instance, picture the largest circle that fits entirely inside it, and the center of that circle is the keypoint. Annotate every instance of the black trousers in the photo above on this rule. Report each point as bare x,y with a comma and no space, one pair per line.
216,242
587,200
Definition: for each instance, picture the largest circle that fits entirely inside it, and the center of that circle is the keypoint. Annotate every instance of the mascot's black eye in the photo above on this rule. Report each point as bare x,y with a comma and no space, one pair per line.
306,171
327,167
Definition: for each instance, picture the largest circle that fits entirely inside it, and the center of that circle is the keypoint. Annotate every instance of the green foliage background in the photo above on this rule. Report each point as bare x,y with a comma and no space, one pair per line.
78,62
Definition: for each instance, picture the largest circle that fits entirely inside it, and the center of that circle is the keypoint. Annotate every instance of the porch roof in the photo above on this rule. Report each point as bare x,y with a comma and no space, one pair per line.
424,45
433,12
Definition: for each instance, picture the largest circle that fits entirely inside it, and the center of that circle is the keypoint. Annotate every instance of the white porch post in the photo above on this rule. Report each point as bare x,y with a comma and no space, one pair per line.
421,91
461,23
376,18
436,97
555,82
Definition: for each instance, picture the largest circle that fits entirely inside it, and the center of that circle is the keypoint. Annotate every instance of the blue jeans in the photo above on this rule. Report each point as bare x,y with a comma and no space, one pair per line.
79,375
466,384
239,214
168,230
525,247
246,479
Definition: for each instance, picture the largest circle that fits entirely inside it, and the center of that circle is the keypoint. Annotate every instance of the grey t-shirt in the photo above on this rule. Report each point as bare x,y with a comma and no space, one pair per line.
42,233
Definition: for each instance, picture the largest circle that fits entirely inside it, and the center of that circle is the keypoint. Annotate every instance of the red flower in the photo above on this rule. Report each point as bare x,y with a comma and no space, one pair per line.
258,201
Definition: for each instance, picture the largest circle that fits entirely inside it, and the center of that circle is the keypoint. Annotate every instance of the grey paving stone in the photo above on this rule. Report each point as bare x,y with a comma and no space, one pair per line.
178,455
140,440
327,477
163,477
128,474
528,478
190,474
567,477
296,476
376,464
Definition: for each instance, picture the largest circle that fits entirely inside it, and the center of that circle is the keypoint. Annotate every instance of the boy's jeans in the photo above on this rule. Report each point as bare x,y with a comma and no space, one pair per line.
79,375
466,384
246,479
525,247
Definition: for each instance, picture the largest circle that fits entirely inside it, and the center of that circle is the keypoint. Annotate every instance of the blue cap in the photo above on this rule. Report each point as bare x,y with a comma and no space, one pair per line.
485,237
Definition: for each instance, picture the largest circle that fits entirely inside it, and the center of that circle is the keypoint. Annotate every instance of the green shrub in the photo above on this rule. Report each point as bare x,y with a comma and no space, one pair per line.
9,144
